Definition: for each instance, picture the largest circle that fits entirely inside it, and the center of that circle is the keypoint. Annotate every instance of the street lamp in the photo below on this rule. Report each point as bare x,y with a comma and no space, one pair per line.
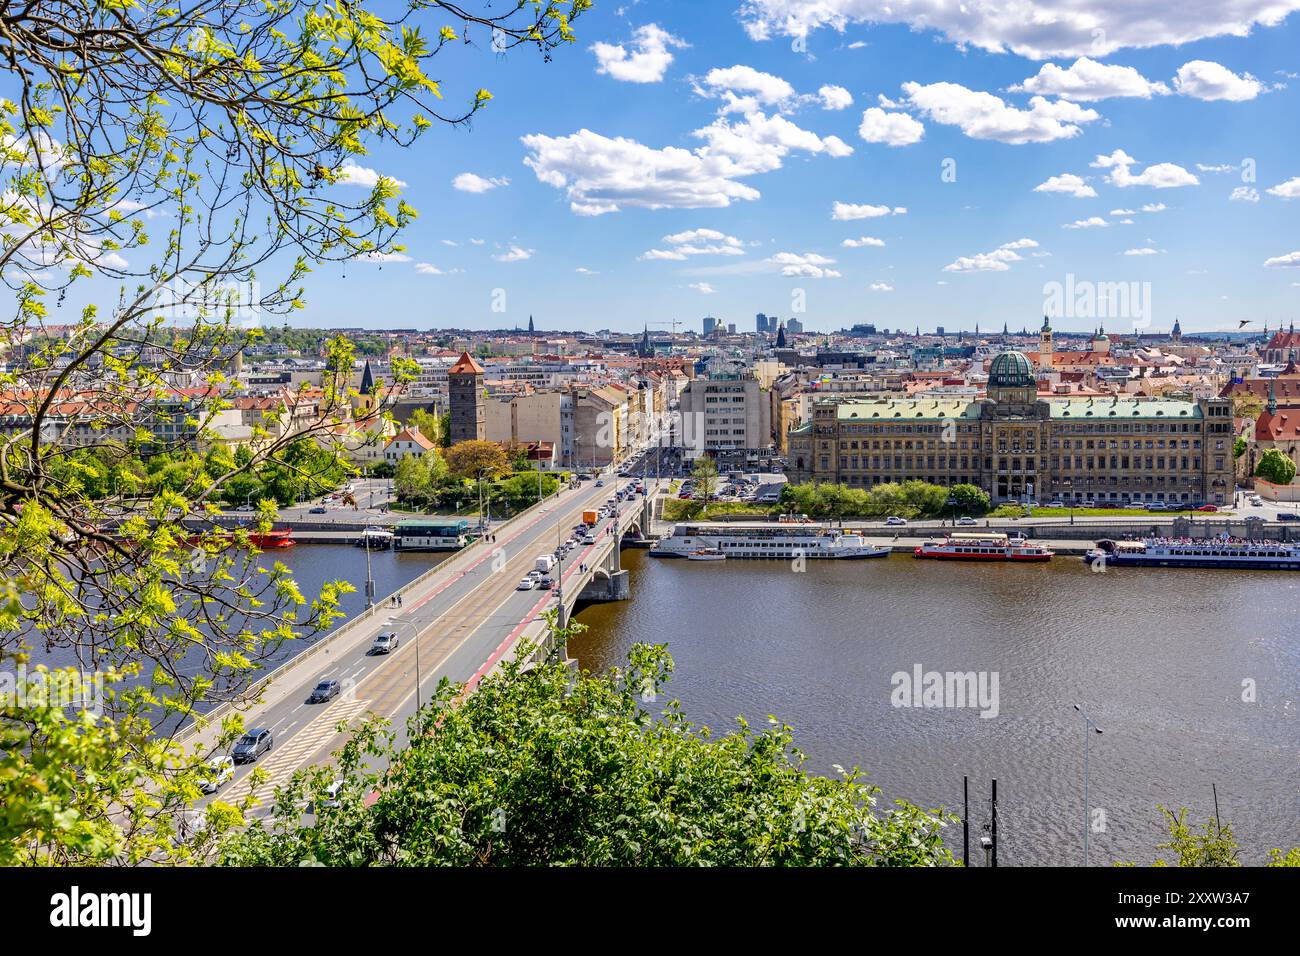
1088,728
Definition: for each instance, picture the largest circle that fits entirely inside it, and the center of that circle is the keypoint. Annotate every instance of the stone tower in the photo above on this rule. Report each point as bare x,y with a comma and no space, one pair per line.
1045,346
465,394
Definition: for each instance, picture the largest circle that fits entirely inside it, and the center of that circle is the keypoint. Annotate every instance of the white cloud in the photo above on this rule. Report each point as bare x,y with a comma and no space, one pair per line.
1206,80
893,129
984,116
1144,251
846,211
1067,183
757,87
1154,207
835,97
428,269
808,265
584,271
1244,194
477,242
514,254
703,288
697,242
1222,168
1159,176
449,242
1123,212
1290,260
471,183
1037,29
1088,80
1287,190
996,261
350,174
862,242
881,287
602,175
648,61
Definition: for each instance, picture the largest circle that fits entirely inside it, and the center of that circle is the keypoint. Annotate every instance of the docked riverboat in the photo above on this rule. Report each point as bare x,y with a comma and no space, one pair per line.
983,546
1197,553
735,539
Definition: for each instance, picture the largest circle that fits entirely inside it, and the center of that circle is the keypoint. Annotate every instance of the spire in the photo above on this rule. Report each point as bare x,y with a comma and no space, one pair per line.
1272,397
780,335
367,379
531,329
1046,326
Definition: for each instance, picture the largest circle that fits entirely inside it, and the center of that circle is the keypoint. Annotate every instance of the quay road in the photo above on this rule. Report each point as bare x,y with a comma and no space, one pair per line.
458,622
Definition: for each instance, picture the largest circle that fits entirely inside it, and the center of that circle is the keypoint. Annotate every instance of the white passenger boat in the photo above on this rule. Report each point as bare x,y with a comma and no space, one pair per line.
983,546
1197,553
375,539
736,539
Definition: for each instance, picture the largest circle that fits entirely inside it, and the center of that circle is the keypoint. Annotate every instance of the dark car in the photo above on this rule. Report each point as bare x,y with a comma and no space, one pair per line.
1288,516
252,745
324,691
318,510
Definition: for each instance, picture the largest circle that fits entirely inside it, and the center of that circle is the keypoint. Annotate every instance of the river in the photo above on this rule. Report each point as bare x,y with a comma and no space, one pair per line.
1164,660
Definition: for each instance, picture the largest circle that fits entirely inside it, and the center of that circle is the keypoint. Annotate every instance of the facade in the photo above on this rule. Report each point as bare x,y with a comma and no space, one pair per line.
1014,444
727,416
409,441
538,417
465,400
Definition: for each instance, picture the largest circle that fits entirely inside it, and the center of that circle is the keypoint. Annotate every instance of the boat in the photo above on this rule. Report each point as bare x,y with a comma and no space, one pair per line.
736,539
269,540
707,554
983,546
375,539
1219,552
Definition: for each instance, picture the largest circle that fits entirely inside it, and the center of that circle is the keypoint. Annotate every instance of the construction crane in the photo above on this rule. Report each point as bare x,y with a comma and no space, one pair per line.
674,323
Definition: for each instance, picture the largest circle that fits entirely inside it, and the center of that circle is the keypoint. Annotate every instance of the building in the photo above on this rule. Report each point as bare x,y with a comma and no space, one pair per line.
710,324
409,441
794,327
1281,348
726,415
1015,444
538,417
1278,426
465,400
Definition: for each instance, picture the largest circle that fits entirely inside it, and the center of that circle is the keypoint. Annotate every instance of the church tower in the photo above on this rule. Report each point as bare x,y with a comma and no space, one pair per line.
1045,346
465,392
1176,336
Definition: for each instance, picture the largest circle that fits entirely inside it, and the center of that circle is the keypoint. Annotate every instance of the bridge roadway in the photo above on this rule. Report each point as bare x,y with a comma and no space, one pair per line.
462,623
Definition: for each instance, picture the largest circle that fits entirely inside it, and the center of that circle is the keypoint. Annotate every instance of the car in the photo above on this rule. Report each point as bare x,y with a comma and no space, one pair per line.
1155,506
535,574
894,521
1287,516
216,772
251,746
1211,508
244,508
545,584
966,521
589,539
325,691
527,584
600,482
318,510
384,643
1089,503
1257,502
1056,504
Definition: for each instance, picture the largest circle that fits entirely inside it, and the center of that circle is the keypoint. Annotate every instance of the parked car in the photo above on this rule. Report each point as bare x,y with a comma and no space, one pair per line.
1208,508
216,772
318,510
1155,506
894,521
384,643
1287,516
966,521
1056,504
325,691
527,584
244,508
252,745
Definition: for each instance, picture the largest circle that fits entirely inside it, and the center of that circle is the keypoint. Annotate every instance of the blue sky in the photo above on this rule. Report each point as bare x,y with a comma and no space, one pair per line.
1131,93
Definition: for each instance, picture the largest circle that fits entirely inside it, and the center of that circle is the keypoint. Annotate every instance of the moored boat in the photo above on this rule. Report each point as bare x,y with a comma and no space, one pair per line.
375,539
268,540
983,546
1196,553
737,539
706,554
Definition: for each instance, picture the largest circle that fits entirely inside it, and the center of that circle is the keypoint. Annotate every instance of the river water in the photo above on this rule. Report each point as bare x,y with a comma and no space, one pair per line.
1193,676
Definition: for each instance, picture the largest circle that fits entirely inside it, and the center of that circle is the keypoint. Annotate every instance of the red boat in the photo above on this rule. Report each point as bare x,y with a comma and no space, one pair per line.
271,539
986,546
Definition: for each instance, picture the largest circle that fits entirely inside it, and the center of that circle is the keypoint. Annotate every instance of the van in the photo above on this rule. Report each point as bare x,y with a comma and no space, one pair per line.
543,563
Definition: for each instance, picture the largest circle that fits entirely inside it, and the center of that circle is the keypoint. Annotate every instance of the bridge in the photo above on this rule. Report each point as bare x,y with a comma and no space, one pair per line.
460,620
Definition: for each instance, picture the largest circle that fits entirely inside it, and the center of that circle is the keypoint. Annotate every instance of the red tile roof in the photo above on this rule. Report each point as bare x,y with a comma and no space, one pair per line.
465,365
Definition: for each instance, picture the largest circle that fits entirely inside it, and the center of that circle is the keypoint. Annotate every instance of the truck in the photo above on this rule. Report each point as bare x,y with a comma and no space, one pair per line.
589,518
544,563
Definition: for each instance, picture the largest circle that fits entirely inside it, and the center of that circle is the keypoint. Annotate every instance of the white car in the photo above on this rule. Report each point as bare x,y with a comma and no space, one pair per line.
589,539
1056,504
967,521
893,521
527,584
218,771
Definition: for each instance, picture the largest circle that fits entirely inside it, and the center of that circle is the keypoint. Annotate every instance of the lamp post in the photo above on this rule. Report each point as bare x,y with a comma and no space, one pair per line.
1089,727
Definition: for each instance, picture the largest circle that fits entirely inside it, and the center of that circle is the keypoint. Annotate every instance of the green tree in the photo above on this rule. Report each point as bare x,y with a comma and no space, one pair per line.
180,170
1275,467
476,459
1238,447
704,474
411,478
1213,845
969,500
428,424
542,767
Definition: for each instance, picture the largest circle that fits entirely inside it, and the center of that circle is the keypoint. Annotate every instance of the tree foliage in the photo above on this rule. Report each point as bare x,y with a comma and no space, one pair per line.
704,474
539,767
910,499
476,459
1276,467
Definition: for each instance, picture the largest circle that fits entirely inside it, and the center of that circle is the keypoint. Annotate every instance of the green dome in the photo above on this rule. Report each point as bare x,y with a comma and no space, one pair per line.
1011,370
